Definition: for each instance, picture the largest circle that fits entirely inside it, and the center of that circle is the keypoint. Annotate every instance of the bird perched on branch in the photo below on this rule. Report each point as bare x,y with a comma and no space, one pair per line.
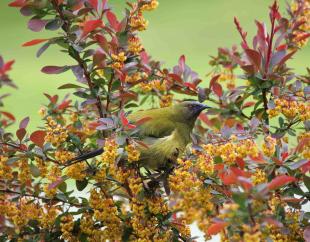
166,133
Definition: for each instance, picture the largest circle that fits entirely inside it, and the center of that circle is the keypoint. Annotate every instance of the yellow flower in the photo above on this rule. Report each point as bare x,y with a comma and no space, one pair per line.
166,100
134,45
149,6
132,153
269,146
138,22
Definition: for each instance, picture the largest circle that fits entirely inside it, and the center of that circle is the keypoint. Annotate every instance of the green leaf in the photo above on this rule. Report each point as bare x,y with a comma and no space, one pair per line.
307,181
69,85
240,199
34,170
80,185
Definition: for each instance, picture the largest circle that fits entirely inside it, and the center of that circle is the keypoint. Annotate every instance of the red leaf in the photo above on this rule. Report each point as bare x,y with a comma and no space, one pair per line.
254,57
249,69
281,47
176,78
248,104
113,21
287,57
215,228
54,69
144,57
91,25
8,115
190,85
94,4
53,99
182,63
20,133
34,42
280,181
7,67
64,105
217,89
213,80
17,3
55,183
37,137
125,121
228,178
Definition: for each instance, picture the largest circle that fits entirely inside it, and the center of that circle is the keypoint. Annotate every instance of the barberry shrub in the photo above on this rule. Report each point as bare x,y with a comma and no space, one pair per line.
245,175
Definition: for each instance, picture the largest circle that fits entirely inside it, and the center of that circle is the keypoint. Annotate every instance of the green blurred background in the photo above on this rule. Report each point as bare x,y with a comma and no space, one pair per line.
194,28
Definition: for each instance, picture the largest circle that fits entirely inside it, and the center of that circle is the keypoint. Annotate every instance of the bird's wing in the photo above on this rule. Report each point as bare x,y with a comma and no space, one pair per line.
159,125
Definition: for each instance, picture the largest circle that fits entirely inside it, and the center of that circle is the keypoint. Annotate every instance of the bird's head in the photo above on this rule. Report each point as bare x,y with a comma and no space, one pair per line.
189,110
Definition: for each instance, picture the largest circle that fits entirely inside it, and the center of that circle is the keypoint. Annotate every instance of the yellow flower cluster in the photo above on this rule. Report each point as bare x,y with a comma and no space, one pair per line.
269,146
77,171
66,227
63,156
150,5
205,164
138,22
131,79
24,174
135,185
42,112
166,100
118,60
106,212
42,166
231,150
109,155
5,170
145,226
258,177
134,45
305,149
182,179
290,109
296,232
153,85
132,153
228,76
251,234
228,210
53,176
303,16
56,134
48,216
19,213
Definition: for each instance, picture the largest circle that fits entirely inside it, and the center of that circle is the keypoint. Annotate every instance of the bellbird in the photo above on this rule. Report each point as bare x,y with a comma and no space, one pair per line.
166,133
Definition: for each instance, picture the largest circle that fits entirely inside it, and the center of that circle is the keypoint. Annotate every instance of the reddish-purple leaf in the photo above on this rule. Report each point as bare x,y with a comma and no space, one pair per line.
94,4
55,184
307,234
54,69
23,124
182,63
20,133
37,137
250,69
254,57
125,121
214,79
176,77
8,115
217,89
36,25
280,181
91,25
113,21
287,57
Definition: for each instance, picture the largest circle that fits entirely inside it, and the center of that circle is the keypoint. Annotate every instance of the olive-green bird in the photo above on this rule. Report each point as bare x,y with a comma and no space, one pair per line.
166,133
